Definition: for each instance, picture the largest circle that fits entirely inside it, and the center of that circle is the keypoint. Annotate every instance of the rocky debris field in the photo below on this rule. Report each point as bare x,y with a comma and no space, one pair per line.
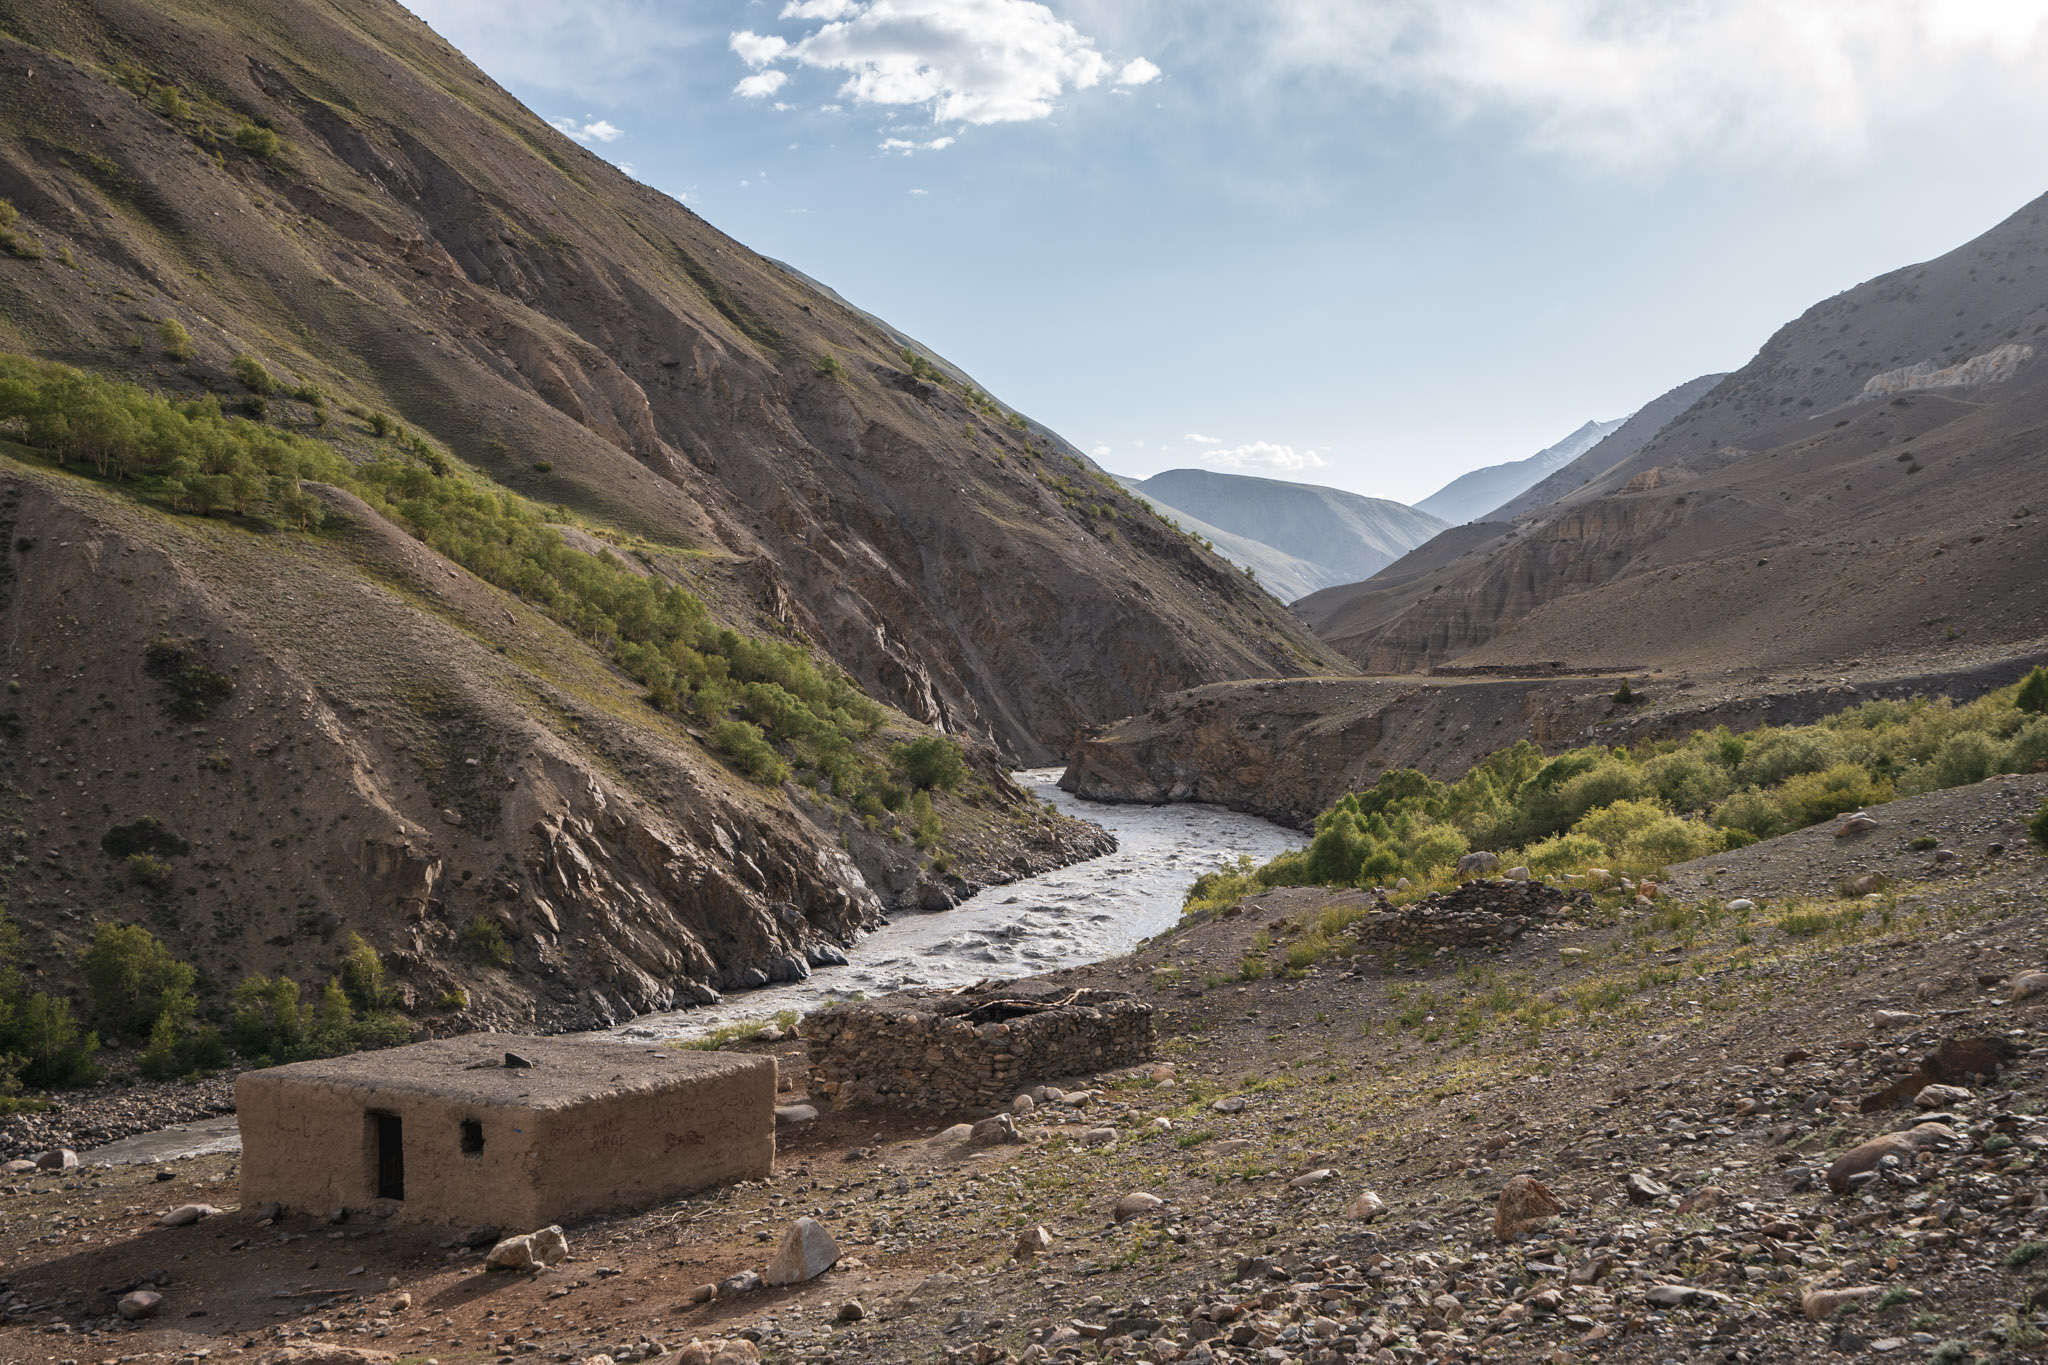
82,1119
1743,1127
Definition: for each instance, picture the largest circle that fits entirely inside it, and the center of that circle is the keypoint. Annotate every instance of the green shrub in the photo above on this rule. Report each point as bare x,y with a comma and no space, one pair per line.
362,976
145,835
254,377
933,761
146,869
2037,828
176,341
749,751
829,367
1622,695
927,830
134,979
257,140
180,665
486,941
12,242
173,1052
454,998
269,1019
45,1047
2032,696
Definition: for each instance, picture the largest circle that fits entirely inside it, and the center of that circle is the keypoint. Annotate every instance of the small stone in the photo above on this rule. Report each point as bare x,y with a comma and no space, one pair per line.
1229,1104
994,1131
807,1251
187,1214
2027,985
1315,1177
400,1302
1705,1199
1859,823
1366,1207
1824,1303
1230,1146
1742,903
18,1166
795,1113
1099,1137
1523,1205
1881,1020
1030,1242
1136,1204
1679,1295
1022,1106
1940,1096
851,1311
59,1159
1643,1189
745,1282
141,1303
704,1293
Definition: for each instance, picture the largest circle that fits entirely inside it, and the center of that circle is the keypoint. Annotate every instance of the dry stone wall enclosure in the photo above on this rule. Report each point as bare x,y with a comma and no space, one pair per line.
974,1049
1485,913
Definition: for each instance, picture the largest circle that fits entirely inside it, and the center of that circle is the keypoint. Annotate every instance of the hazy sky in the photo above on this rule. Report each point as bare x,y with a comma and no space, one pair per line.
1369,243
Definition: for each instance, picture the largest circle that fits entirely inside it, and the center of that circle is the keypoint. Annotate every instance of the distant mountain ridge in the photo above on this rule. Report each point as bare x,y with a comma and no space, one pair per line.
1618,445
1471,496
1347,536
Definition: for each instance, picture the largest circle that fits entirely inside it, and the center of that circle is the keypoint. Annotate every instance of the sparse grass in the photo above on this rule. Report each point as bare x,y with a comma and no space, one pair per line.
738,1033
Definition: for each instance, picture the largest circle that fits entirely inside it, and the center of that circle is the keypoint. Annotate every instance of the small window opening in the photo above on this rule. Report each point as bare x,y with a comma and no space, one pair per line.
472,1138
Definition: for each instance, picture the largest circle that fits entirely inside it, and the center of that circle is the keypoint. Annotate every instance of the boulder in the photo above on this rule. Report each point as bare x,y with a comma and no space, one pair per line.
2027,985
141,1303
1477,864
1906,1146
1366,1207
550,1247
1022,1106
1099,1137
1523,1205
1741,903
1517,874
1859,823
807,1251
1643,1189
186,1214
745,1282
325,1353
1136,1204
959,1132
60,1159
795,1113
853,1310
719,1351
1940,1096
1315,1177
529,1250
1705,1199
18,1166
1030,1242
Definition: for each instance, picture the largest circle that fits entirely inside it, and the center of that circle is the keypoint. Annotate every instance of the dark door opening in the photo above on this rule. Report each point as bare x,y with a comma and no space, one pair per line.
390,1156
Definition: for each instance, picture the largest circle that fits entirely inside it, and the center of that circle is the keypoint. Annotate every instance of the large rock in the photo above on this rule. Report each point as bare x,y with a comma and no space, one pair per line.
529,1251
1524,1205
994,1131
187,1214
1366,1207
1866,1156
1030,1242
142,1303
61,1159
807,1251
1825,1302
1645,1189
1135,1205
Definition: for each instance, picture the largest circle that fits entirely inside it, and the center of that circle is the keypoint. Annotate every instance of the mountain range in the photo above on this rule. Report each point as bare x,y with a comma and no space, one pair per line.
1470,497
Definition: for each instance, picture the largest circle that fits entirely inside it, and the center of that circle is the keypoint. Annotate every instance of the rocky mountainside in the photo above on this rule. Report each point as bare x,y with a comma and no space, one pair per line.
1471,496
1611,450
338,193
1863,485
1344,533
326,221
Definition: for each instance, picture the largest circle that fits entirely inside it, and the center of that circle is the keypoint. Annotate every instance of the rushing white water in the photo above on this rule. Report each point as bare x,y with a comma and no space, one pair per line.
1077,914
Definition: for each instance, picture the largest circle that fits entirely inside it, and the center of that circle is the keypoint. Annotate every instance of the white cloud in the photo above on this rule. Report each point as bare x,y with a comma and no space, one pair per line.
595,130
1137,71
966,61
921,194
1626,81
818,9
762,84
1263,455
1205,440
758,49
1100,451
904,147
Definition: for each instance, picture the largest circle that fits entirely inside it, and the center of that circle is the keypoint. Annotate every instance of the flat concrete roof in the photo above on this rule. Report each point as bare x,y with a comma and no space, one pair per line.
472,1068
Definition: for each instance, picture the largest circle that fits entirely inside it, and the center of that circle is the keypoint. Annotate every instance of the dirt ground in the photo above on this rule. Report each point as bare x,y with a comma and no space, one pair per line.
1700,1047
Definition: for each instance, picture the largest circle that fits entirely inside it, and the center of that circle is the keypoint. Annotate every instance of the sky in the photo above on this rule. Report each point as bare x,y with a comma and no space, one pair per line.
1365,243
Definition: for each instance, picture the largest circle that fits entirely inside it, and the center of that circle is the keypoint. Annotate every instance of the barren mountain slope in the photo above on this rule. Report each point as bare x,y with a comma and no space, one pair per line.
420,243
1863,485
389,746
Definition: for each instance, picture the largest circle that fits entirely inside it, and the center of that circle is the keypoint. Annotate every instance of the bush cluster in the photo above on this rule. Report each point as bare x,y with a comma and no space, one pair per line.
1636,811
192,457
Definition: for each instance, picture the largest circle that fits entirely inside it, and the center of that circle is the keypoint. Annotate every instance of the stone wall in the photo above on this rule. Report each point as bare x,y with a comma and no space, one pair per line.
1485,913
973,1050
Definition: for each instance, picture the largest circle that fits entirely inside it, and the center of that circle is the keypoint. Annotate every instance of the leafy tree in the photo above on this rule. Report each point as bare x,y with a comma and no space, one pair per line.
933,761
134,979
2033,694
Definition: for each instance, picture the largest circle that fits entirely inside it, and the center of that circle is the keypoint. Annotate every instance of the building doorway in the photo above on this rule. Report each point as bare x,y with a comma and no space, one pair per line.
390,1155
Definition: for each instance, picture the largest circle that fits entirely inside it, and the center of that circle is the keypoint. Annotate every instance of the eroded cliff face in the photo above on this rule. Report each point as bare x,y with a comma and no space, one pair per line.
346,733
422,245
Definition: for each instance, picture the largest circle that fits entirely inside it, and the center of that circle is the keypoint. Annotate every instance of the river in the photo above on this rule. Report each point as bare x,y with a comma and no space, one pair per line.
1075,915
